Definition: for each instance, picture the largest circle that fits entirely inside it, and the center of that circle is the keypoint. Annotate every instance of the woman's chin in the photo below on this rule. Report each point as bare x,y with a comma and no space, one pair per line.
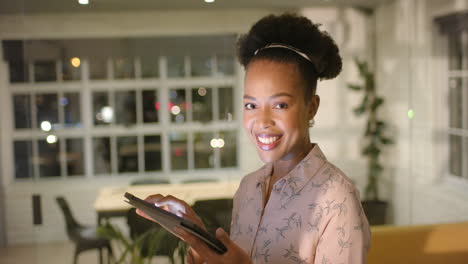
268,156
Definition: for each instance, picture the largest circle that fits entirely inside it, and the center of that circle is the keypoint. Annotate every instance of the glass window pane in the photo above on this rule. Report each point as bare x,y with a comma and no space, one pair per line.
49,158
19,71
23,159
204,154
202,104
455,52
47,109
228,150
149,67
455,155
103,113
179,157
225,65
226,103
201,66
45,71
175,66
124,68
72,109
97,69
455,103
71,69
125,107
74,156
153,158
178,105
127,148
102,155
150,106
22,110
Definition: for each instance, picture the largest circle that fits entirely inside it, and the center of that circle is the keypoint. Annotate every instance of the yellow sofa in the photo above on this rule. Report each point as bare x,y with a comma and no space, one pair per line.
427,244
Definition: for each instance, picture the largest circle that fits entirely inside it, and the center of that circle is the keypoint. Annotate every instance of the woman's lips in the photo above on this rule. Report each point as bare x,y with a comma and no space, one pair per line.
267,142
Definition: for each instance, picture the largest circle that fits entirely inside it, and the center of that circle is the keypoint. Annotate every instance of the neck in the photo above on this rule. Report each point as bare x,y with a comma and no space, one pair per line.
283,166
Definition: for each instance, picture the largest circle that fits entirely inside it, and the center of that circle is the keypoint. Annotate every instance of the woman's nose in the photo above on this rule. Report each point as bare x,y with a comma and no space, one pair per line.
264,119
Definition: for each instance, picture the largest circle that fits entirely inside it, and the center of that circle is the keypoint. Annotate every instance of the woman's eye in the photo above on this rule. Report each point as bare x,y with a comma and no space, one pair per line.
281,106
249,106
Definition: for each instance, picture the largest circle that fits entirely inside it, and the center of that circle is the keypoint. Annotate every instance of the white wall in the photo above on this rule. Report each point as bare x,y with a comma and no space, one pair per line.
337,130
409,75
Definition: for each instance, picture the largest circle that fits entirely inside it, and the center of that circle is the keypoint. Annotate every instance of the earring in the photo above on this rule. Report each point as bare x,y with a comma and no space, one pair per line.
311,123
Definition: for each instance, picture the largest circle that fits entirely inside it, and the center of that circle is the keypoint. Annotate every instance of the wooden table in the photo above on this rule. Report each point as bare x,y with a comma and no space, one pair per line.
110,200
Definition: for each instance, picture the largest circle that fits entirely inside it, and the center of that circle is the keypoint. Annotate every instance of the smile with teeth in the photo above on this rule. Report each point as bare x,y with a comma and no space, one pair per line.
267,140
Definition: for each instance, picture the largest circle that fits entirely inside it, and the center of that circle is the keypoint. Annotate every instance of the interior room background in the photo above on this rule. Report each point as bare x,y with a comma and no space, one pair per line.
132,94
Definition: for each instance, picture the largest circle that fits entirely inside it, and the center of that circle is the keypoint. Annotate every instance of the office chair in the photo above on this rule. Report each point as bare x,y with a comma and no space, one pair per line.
84,237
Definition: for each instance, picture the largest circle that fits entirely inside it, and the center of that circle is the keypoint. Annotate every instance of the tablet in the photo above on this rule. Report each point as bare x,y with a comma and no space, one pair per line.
169,220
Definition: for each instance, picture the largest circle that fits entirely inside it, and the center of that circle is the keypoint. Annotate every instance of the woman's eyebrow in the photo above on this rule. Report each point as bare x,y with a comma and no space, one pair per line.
281,94
250,97
271,97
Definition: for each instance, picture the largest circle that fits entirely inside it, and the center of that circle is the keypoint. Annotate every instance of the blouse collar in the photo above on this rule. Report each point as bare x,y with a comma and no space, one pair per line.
299,175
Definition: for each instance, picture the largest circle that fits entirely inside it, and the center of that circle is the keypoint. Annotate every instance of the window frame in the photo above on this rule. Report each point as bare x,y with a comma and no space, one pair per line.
448,25
161,85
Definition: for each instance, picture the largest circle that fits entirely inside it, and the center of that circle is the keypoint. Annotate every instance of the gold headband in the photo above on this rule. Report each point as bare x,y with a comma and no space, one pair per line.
284,46
318,66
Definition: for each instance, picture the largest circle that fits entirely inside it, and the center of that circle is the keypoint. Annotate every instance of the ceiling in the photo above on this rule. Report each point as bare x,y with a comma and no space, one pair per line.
72,6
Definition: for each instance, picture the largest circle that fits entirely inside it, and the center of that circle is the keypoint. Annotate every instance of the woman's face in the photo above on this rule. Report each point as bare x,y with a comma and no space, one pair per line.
276,116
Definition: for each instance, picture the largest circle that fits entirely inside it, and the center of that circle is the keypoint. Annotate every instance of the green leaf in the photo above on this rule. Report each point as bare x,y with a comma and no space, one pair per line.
378,102
376,167
362,66
387,141
359,110
369,82
355,87
381,124
371,150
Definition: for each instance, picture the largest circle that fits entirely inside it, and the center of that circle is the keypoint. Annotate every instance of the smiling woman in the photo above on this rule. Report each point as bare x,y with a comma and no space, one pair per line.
298,208
275,114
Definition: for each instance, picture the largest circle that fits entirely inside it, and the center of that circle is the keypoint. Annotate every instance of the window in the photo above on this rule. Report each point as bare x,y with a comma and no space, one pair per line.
131,112
455,30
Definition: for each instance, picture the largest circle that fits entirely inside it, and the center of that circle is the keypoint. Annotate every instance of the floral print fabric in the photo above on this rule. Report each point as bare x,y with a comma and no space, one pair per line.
313,215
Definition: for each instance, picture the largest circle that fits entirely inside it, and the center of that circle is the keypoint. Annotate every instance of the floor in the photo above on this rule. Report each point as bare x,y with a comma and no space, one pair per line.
52,253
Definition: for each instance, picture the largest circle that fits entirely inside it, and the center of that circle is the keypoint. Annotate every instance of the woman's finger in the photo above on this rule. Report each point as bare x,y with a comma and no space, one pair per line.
203,250
194,218
189,257
224,237
173,204
152,199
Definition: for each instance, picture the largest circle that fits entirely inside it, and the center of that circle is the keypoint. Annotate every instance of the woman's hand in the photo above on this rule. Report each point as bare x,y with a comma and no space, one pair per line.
173,205
202,253
199,252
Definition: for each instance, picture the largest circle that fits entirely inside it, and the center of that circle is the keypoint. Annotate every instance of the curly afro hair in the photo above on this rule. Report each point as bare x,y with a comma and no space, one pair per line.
300,33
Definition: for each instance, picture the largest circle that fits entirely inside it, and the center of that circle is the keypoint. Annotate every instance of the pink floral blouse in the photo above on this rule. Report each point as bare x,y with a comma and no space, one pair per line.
313,215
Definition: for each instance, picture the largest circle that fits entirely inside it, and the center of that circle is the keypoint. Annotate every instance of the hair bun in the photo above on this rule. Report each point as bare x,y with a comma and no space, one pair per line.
298,32
331,60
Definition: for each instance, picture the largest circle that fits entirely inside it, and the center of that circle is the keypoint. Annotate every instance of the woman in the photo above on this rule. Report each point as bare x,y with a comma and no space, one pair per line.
298,208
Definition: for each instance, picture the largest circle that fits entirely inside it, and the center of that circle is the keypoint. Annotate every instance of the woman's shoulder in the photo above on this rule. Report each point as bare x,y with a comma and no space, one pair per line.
333,182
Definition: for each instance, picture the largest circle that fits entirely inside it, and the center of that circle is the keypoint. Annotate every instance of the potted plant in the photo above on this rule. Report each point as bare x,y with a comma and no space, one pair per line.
374,141
137,250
